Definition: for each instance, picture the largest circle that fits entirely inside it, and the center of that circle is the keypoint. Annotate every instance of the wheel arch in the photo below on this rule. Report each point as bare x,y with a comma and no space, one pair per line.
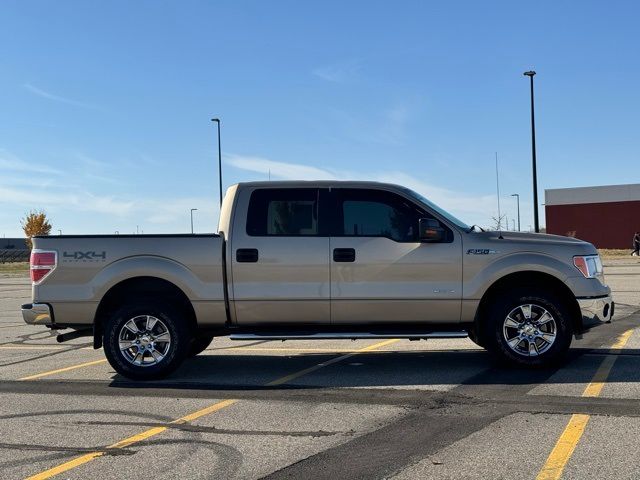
527,279
136,288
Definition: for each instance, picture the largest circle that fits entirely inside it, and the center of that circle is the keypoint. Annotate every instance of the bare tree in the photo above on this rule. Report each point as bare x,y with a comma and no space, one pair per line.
498,222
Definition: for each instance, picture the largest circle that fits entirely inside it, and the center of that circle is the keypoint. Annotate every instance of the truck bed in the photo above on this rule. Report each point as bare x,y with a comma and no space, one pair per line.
88,266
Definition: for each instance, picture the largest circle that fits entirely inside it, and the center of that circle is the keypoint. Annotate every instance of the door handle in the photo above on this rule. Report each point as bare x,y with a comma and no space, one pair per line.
247,255
344,255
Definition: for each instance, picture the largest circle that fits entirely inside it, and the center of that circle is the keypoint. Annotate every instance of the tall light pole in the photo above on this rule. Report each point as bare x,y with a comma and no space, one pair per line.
536,222
517,195
217,120
192,210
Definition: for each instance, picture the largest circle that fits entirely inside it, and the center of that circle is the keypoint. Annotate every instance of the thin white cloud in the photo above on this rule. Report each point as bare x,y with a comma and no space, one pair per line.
472,208
10,162
79,201
90,161
339,72
179,209
159,212
76,203
56,98
287,171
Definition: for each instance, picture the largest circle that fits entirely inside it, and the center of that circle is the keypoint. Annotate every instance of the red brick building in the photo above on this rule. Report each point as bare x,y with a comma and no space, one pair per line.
606,216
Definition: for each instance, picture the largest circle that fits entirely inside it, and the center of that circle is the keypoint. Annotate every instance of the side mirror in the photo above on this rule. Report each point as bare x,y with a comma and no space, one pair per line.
431,230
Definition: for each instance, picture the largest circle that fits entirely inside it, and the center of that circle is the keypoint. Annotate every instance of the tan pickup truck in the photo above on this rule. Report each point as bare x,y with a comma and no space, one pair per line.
318,260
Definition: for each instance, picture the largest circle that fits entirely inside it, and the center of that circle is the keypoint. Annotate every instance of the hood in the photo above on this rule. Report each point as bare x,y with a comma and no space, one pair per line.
530,238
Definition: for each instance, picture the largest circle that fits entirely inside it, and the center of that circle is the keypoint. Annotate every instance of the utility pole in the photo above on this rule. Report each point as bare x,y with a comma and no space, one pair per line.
192,210
536,222
217,120
517,195
498,195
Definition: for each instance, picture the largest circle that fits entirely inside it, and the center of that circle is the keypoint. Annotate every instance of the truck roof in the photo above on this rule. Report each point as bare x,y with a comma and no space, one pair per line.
316,183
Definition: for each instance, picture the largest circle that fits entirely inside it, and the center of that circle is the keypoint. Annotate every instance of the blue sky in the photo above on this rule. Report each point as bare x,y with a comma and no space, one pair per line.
105,106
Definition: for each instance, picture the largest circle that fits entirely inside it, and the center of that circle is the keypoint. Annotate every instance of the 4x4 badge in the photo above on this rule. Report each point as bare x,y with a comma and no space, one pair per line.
84,255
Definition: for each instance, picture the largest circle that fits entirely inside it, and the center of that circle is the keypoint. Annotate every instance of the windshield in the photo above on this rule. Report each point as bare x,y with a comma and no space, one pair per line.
436,208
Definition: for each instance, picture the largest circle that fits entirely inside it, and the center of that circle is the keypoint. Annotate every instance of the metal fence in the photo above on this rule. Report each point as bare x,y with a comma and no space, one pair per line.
11,255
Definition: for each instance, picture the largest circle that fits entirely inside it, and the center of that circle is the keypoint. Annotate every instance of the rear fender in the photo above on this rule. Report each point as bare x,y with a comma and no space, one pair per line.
158,267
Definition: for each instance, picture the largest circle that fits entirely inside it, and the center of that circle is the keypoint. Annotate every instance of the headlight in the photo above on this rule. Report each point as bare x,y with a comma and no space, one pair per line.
589,265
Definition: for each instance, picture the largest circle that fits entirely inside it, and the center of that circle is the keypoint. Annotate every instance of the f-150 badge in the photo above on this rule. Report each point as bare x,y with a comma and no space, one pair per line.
481,251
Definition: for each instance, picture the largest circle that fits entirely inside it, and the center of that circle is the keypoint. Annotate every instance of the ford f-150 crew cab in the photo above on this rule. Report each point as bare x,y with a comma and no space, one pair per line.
318,260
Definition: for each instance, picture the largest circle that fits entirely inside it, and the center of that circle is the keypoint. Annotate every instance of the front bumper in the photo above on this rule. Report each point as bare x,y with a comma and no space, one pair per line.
37,314
596,311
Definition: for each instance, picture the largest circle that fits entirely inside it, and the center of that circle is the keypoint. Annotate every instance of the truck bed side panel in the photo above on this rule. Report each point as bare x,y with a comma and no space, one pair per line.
88,267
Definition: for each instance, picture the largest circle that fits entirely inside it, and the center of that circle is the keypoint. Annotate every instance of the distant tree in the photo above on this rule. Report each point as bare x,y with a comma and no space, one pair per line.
35,223
498,223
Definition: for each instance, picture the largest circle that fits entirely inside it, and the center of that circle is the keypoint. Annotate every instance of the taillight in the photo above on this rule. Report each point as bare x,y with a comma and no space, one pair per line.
42,263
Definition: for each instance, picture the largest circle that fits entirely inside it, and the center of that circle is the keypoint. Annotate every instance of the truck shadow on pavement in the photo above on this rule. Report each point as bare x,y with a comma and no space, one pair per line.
429,370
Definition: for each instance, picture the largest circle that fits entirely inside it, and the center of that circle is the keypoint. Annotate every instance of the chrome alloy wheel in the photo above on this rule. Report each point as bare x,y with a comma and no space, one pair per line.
144,340
529,330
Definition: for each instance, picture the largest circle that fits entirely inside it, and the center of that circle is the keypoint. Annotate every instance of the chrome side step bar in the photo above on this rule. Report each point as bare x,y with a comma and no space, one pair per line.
346,335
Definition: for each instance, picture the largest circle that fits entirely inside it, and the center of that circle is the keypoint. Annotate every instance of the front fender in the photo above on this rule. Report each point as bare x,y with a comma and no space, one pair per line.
479,278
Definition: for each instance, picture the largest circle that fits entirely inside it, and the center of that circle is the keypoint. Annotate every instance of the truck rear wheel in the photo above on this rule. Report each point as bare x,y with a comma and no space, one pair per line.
199,344
146,341
530,328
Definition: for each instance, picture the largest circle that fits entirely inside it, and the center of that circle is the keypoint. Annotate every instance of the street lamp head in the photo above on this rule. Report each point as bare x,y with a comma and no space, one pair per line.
515,194
215,120
530,73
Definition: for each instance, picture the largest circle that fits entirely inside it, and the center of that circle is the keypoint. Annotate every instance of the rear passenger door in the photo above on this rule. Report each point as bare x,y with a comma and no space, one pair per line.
280,264
381,272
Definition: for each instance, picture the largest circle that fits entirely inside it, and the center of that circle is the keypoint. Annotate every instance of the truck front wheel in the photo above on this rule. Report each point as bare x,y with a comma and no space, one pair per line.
530,328
146,341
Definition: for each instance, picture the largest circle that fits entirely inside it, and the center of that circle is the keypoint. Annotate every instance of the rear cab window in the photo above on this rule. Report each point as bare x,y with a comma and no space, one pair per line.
284,212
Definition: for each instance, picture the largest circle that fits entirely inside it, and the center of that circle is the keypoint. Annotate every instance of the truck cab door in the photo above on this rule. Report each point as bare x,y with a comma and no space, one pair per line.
280,257
381,273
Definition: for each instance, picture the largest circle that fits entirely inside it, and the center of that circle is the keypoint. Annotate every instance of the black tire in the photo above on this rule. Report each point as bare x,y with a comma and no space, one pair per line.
475,338
510,304
174,352
199,344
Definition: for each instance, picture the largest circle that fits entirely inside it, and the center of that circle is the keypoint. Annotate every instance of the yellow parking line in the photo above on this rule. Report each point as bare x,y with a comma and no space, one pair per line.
65,369
561,453
205,411
43,347
599,379
32,347
295,375
76,462
311,350
287,349
139,437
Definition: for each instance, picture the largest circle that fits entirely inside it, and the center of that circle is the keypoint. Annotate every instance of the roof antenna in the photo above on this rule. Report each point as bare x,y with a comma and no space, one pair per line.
498,192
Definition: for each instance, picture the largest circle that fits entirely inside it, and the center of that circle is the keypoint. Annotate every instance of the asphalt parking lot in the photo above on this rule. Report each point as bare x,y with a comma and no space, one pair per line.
332,409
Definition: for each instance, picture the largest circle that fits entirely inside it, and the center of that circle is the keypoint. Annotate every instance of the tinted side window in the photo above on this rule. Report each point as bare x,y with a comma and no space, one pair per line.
283,212
373,213
376,213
